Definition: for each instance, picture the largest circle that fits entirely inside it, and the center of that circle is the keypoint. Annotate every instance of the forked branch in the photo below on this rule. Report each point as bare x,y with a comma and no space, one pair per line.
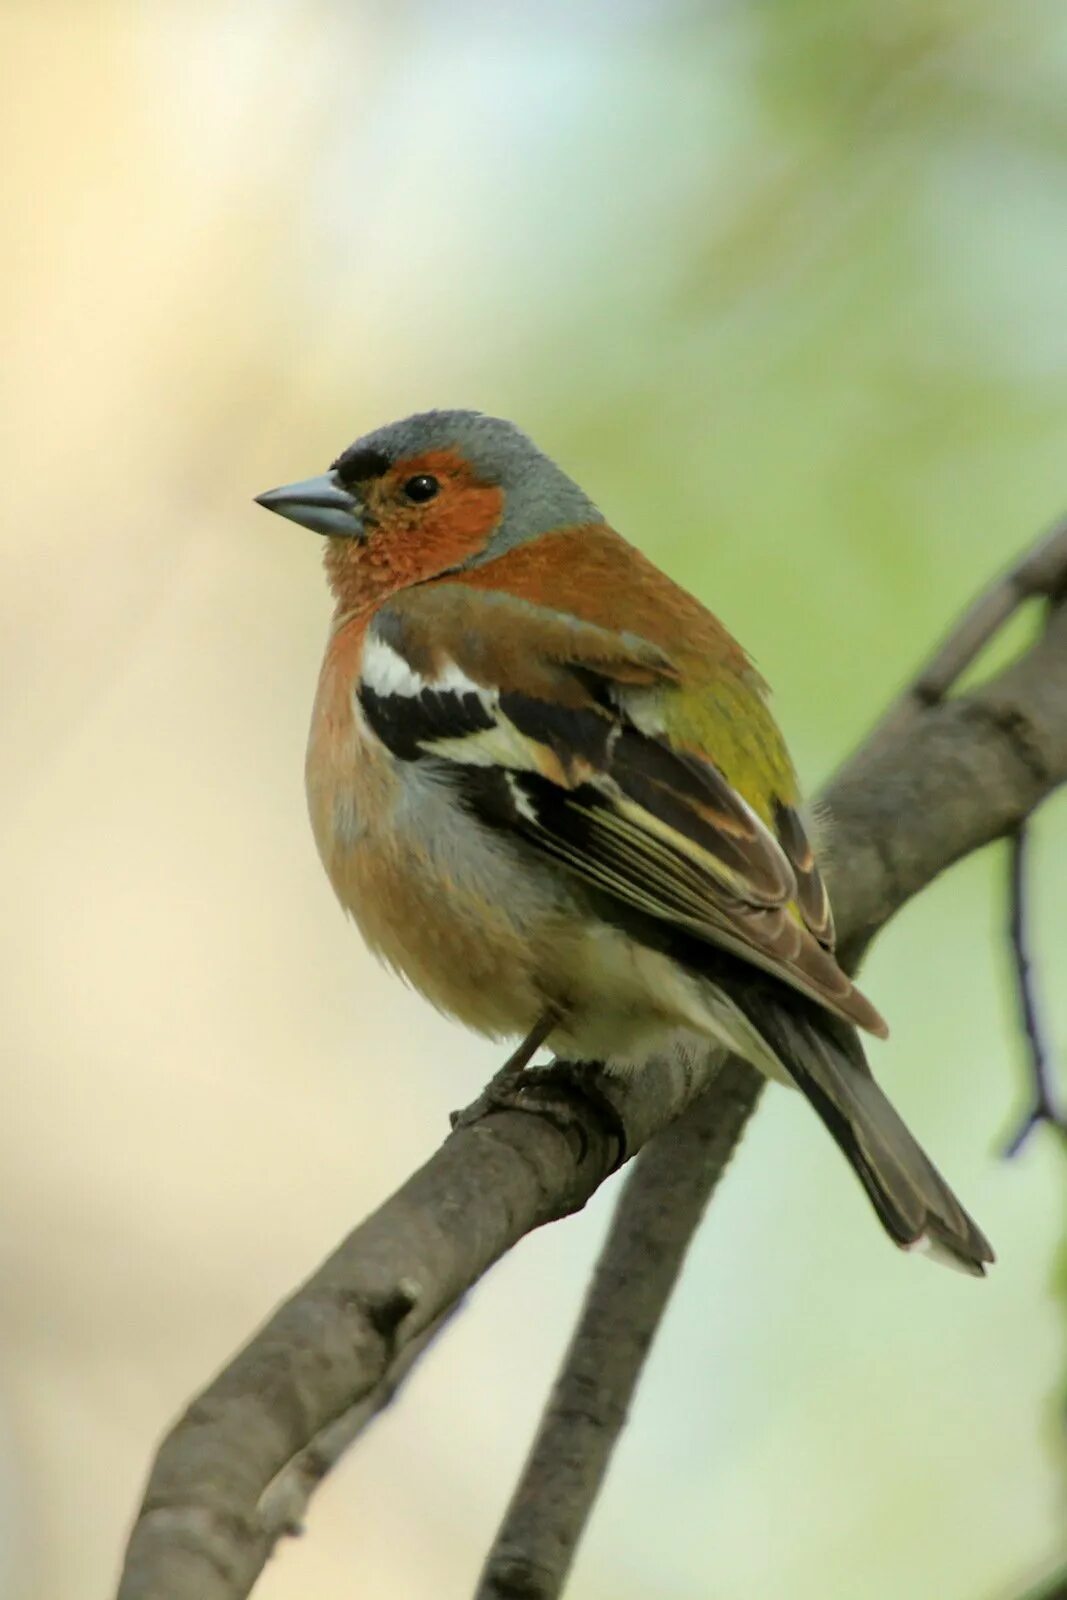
537,1540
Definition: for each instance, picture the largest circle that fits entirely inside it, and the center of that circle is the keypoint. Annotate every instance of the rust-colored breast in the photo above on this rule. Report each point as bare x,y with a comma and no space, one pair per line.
348,776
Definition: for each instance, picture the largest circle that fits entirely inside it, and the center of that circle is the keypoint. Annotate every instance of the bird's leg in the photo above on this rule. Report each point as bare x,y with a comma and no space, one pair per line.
507,1078
504,1082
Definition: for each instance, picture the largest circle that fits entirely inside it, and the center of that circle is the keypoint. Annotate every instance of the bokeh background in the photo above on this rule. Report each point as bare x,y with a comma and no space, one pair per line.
784,282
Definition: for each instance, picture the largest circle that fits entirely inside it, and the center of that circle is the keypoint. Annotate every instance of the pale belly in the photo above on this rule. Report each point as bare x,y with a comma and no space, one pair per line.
483,932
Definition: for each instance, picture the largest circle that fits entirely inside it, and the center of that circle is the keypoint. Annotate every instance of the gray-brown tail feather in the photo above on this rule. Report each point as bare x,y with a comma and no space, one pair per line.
916,1206
824,1057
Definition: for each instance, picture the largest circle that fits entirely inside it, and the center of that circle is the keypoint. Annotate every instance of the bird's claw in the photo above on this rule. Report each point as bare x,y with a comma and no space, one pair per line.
531,1090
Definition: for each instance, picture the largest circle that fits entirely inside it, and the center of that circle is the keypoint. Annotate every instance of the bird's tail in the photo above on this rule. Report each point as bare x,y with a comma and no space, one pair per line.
917,1208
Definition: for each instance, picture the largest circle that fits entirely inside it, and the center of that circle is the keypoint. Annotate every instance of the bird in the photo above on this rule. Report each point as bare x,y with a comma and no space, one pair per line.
547,784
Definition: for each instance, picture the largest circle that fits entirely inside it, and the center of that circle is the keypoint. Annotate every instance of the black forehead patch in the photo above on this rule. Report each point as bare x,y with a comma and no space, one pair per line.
360,462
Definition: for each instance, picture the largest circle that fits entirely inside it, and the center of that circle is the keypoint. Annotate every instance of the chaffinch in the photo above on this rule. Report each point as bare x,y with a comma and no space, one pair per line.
546,783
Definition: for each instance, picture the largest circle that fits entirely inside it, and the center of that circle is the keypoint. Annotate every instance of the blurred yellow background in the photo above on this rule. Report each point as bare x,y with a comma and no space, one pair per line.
783,283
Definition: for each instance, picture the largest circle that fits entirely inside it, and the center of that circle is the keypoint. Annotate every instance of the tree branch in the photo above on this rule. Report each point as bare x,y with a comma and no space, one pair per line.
968,771
674,1178
658,1212
1040,573
284,1501
1043,1106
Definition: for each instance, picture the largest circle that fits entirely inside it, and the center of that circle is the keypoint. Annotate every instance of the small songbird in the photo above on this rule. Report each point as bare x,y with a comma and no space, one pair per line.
546,783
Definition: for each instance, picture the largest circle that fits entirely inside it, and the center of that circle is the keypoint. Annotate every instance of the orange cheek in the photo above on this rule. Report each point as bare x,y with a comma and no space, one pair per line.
411,546
447,532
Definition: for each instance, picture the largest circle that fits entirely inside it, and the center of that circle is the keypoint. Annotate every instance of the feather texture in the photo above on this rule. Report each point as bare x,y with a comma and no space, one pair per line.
561,736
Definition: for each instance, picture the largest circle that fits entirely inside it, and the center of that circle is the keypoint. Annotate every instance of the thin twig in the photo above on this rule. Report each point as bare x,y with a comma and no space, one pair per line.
659,1210
1043,1107
967,773
284,1502
543,1524
1041,571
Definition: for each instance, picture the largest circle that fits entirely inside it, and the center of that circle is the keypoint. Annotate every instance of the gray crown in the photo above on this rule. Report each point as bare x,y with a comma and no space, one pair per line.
538,496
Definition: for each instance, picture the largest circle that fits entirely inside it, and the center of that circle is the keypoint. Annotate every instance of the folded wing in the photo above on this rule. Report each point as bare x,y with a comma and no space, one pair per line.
557,731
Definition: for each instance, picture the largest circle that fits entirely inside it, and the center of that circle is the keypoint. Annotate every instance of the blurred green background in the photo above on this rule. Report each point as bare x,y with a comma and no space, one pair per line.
784,284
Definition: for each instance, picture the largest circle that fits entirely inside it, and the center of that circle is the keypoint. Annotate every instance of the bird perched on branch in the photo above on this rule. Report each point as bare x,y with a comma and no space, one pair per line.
547,784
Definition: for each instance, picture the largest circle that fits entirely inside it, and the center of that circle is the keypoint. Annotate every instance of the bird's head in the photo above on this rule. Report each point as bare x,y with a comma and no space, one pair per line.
439,492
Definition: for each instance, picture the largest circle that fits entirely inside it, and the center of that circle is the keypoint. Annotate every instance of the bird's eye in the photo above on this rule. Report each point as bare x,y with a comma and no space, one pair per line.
421,488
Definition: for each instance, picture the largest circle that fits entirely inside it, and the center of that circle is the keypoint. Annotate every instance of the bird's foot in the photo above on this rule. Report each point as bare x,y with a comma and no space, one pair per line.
499,1092
560,1092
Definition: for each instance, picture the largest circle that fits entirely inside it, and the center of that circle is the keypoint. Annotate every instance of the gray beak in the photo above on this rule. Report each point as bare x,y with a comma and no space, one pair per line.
319,504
